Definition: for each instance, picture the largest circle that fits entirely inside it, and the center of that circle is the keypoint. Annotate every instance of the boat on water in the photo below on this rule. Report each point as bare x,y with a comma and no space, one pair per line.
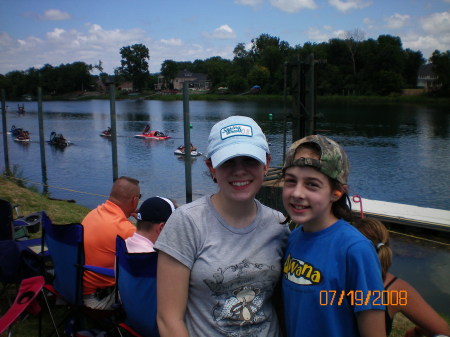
180,151
106,133
23,137
58,139
16,131
157,135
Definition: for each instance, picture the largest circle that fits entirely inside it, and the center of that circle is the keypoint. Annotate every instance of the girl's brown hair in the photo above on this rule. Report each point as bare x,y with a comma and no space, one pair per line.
376,232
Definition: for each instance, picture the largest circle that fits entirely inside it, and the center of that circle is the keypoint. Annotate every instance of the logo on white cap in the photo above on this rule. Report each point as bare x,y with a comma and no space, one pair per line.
236,130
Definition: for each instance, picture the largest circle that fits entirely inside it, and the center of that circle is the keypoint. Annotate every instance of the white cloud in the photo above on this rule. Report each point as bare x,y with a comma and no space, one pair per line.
5,40
172,42
397,21
249,2
369,23
292,6
427,44
322,35
434,35
223,32
55,15
55,34
67,46
346,5
437,23
94,43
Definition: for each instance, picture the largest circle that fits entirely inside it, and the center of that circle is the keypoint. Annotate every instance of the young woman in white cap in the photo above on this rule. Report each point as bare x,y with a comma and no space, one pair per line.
332,280
220,256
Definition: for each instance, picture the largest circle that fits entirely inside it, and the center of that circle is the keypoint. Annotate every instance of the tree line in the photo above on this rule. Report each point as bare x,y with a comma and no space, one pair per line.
348,65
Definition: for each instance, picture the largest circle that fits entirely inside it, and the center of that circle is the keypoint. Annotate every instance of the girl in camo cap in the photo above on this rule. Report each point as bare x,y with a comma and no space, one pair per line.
331,274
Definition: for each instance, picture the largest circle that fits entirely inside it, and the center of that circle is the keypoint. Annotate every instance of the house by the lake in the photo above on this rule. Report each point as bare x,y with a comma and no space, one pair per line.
426,78
197,81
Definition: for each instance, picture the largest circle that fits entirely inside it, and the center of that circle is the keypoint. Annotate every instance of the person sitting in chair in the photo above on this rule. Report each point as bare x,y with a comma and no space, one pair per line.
101,226
152,217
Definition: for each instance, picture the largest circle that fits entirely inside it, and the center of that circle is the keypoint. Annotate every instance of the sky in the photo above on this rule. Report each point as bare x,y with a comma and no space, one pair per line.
38,32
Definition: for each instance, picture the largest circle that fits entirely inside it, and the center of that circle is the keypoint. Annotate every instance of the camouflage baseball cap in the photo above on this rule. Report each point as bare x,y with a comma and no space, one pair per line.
333,160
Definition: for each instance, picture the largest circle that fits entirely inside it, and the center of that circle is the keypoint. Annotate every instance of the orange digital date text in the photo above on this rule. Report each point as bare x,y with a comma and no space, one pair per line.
367,298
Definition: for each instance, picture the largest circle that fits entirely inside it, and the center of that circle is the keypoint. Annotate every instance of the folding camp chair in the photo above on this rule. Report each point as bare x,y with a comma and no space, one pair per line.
65,244
18,229
136,290
25,300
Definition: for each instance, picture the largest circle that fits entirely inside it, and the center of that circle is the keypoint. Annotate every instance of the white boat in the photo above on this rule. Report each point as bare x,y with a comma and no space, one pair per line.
180,152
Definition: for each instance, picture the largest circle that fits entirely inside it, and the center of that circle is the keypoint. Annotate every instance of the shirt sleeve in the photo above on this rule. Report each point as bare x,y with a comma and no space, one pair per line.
180,238
364,281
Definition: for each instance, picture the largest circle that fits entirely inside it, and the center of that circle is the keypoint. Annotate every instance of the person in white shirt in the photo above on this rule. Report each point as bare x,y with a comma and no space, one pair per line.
151,218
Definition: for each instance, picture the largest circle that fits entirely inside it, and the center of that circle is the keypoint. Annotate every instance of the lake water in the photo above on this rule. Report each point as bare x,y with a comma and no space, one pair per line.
398,153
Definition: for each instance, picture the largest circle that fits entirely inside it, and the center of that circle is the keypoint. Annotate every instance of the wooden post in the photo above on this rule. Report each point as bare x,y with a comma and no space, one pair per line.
5,135
187,143
42,141
112,108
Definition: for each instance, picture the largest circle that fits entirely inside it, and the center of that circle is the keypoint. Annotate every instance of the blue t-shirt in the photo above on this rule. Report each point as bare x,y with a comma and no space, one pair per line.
329,276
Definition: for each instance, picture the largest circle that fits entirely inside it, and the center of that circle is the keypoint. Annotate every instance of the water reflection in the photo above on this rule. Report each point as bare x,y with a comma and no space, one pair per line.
426,265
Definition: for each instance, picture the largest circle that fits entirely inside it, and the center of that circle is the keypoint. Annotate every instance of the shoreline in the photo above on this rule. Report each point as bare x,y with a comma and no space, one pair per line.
343,100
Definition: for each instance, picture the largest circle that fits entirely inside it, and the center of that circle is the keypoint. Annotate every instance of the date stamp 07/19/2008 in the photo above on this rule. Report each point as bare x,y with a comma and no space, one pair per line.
359,298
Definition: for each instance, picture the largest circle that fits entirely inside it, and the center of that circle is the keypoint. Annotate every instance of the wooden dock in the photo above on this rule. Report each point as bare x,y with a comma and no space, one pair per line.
423,217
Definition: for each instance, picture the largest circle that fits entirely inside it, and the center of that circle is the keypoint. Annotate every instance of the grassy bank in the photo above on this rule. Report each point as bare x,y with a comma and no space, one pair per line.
65,212
30,201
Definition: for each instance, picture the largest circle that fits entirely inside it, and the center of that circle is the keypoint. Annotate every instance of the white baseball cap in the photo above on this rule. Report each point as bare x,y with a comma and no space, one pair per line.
236,136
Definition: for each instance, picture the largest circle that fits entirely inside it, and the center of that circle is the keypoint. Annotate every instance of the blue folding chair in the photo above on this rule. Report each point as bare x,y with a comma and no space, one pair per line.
65,244
136,290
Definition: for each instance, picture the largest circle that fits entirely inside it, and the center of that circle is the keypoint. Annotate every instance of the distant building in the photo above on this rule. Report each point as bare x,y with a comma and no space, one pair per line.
196,81
126,87
426,78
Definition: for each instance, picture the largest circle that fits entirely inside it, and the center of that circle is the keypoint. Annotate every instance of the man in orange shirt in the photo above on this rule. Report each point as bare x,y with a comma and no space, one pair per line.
101,226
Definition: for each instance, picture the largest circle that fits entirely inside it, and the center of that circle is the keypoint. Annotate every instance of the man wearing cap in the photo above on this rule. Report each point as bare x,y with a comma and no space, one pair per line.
152,216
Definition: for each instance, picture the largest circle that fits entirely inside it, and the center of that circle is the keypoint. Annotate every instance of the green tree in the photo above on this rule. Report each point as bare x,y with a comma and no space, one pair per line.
441,68
259,75
217,69
413,61
388,82
242,61
237,84
352,40
134,64
270,52
169,69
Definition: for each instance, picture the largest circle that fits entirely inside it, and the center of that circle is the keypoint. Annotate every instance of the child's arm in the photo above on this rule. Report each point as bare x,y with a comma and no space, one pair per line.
428,322
371,323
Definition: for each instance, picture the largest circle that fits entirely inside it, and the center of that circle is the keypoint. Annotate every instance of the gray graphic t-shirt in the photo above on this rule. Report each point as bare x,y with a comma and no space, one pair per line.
233,270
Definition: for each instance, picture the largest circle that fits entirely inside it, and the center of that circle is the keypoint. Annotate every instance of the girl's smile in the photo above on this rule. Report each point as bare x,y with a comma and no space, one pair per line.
308,196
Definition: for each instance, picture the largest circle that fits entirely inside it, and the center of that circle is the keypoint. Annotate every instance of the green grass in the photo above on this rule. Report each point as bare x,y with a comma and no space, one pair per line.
30,201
